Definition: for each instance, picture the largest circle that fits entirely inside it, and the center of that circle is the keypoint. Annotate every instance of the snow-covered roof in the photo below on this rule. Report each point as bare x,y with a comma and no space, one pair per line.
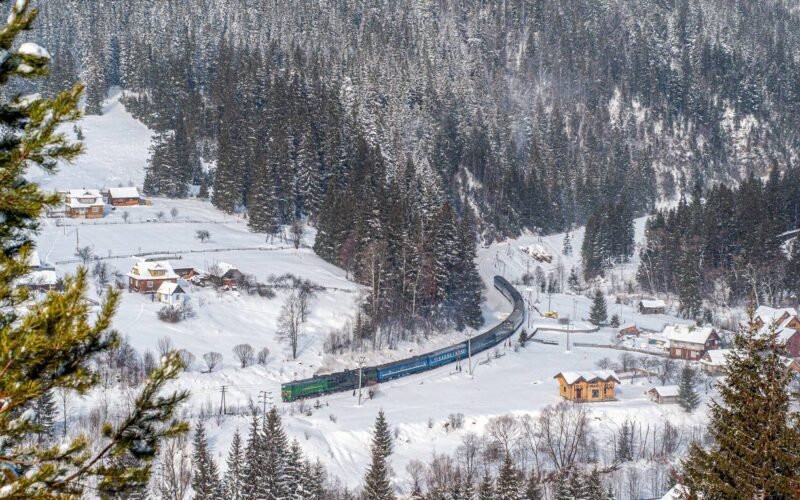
666,391
123,192
46,277
627,326
688,333
652,303
168,288
677,492
83,198
158,269
588,376
770,314
221,269
716,357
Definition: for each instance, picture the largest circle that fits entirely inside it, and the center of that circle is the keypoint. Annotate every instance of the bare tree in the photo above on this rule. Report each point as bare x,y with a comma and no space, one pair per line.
263,355
666,370
174,213
164,346
160,215
85,254
628,361
289,322
244,353
564,429
148,362
203,235
604,363
212,359
102,274
125,216
305,295
176,470
187,358
296,233
505,430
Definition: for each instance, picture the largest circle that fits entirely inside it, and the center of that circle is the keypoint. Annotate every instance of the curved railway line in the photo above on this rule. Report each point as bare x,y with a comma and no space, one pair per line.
348,380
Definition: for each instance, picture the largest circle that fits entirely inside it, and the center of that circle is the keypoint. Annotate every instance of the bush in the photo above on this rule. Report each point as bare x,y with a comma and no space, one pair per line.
456,420
263,354
245,354
170,314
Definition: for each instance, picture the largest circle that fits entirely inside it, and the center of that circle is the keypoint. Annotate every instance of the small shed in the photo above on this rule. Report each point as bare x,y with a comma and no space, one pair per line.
628,330
588,386
224,274
652,306
171,293
123,197
665,394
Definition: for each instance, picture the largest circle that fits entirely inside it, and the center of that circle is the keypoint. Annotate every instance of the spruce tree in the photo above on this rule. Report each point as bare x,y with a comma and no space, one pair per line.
205,476
235,478
755,432
52,344
508,484
486,488
599,312
382,435
295,472
593,487
44,417
533,488
378,485
255,462
275,449
625,442
688,397
614,323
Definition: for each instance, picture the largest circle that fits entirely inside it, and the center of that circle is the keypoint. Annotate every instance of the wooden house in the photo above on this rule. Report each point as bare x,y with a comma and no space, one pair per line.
186,273
147,276
224,274
41,280
664,395
123,197
84,204
713,361
652,306
690,342
588,386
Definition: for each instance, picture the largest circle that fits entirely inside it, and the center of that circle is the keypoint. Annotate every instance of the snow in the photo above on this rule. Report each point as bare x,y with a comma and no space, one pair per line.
589,375
503,381
33,49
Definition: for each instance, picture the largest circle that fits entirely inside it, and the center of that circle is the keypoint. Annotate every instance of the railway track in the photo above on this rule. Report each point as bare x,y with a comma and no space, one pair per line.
348,380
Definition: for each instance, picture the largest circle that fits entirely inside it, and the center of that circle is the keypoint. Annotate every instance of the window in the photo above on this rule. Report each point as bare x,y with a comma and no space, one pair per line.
149,284
595,393
677,352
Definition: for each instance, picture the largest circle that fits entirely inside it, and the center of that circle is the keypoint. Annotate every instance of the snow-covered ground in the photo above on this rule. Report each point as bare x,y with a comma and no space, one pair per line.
338,432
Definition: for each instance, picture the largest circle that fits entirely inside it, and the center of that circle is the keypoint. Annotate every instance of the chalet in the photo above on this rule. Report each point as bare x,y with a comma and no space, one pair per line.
186,273
628,330
666,394
588,386
652,306
224,274
84,204
171,293
766,316
713,361
690,342
123,197
147,277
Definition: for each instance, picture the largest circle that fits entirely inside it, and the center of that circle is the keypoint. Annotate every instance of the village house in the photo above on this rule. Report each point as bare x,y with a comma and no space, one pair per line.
628,330
652,306
84,204
147,276
186,273
42,280
588,386
666,394
123,197
713,362
690,342
172,294
224,274
766,316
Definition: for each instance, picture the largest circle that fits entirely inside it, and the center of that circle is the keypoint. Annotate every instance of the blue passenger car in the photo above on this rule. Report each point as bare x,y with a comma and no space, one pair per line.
395,370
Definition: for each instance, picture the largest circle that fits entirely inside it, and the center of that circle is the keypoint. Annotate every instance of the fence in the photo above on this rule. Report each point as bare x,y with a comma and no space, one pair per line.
176,254
620,348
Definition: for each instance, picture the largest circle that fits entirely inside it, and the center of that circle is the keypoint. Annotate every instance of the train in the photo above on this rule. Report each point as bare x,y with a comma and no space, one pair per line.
347,380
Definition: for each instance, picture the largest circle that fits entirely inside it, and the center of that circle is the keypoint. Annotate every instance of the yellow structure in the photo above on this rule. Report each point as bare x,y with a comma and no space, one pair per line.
551,314
588,386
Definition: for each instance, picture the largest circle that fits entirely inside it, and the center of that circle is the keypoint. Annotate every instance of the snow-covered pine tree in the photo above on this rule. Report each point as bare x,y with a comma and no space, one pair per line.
756,438
624,450
467,280
566,246
508,486
377,484
44,417
235,477
254,462
533,488
486,488
614,323
274,475
205,476
599,311
593,486
688,397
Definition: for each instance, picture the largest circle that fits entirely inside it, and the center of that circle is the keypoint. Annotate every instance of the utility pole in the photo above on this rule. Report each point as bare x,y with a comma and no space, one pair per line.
77,239
223,410
262,396
361,361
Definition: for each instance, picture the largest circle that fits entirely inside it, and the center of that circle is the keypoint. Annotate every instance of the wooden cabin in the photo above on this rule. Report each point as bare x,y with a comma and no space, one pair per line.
628,330
588,386
652,306
666,394
147,276
690,342
123,197
84,204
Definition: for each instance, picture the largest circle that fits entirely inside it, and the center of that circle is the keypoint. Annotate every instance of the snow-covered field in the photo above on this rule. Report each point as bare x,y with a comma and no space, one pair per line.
338,432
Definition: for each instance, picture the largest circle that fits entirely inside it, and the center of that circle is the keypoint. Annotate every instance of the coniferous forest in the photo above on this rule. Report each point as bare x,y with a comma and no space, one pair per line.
410,120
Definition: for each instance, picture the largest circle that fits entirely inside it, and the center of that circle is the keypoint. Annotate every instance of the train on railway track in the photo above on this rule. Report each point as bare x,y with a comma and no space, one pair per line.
348,380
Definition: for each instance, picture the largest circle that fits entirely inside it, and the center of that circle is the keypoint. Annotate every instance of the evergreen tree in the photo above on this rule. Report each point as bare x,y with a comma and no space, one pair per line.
566,246
486,488
625,442
614,323
295,472
599,312
533,488
52,344
205,476
688,397
235,475
44,417
274,475
255,462
378,485
508,485
573,281
756,438
593,487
